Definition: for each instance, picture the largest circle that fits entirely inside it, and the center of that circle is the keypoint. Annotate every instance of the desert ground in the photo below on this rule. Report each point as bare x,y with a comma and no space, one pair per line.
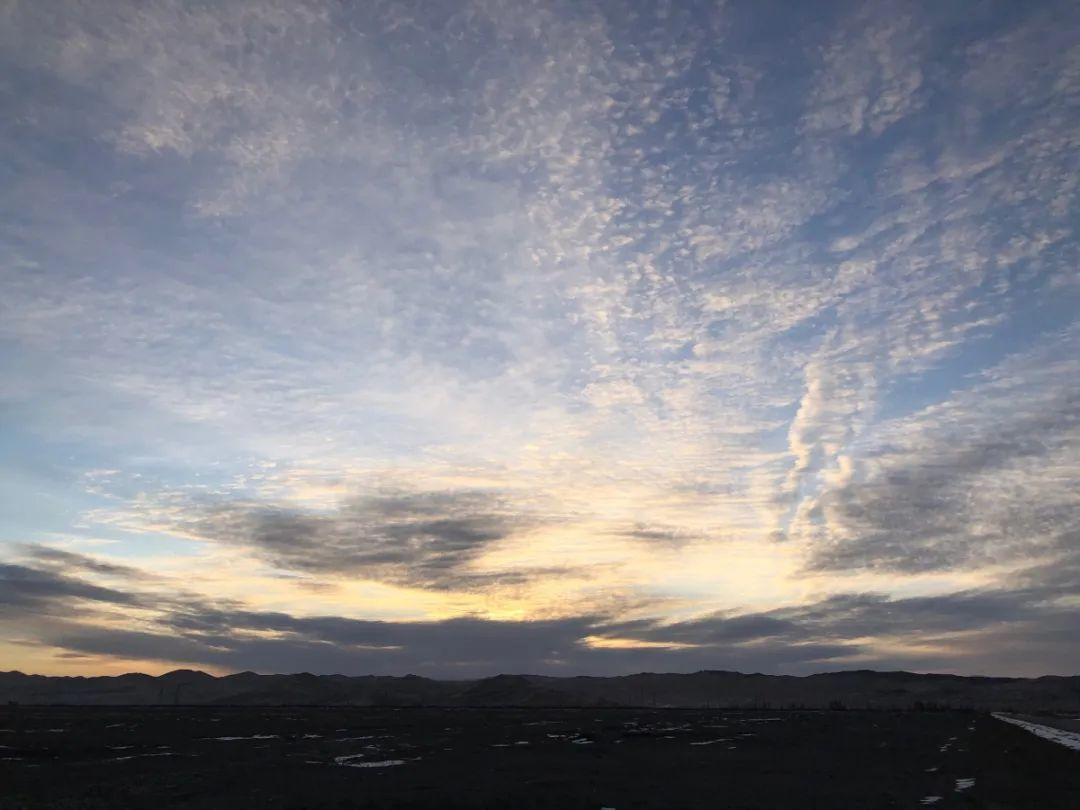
211,757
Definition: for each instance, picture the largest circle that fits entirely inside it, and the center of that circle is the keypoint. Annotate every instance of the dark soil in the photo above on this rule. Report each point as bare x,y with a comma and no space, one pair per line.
527,758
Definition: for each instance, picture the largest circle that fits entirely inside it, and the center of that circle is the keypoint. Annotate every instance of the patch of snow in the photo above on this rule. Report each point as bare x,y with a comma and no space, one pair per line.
252,737
930,800
347,757
383,763
964,784
710,742
1070,739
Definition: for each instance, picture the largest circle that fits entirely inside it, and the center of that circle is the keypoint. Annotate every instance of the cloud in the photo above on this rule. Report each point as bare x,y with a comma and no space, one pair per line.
841,630
60,561
971,629
421,539
660,535
980,480
26,589
461,647
608,294
871,77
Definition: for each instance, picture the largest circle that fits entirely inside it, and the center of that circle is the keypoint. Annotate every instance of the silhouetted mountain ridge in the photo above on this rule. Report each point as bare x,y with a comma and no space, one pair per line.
855,689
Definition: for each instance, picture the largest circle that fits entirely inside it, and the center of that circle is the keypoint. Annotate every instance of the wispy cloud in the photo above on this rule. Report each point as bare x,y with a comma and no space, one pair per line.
538,309
427,539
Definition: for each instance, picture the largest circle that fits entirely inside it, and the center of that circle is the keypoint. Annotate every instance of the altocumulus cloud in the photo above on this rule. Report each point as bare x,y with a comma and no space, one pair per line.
539,324
987,477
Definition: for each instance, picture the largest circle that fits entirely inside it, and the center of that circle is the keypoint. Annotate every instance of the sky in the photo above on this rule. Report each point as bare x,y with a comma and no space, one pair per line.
489,336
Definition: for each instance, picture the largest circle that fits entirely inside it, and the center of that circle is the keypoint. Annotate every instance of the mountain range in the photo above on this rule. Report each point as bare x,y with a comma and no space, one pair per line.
859,689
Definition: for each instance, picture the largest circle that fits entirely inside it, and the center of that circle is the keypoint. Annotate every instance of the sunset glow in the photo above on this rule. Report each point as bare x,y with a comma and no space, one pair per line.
469,337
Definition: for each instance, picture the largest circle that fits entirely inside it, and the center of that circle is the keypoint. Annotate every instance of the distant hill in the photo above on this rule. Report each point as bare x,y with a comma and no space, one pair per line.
853,690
